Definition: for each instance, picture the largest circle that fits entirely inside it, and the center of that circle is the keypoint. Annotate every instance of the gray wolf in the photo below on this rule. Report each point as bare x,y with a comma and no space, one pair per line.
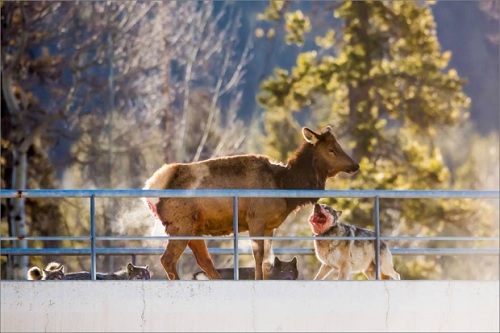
345,257
55,271
318,158
35,273
281,270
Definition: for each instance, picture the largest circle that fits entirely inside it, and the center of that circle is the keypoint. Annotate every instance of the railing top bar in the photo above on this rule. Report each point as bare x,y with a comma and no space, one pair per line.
277,238
422,238
46,238
107,193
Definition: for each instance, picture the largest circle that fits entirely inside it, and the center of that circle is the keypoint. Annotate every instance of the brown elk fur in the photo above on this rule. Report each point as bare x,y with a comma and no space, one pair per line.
317,159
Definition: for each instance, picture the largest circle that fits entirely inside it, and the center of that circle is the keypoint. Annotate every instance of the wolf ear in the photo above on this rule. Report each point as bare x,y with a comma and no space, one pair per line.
277,261
309,135
339,212
130,267
294,260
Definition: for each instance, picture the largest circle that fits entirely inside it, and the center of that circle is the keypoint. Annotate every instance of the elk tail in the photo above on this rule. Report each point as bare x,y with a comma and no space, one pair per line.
158,181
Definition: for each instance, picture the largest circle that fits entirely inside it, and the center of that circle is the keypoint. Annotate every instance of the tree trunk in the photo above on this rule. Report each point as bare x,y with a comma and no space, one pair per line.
359,93
17,216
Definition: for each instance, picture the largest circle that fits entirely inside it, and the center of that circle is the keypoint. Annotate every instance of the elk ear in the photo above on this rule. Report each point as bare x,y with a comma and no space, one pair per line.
327,129
310,135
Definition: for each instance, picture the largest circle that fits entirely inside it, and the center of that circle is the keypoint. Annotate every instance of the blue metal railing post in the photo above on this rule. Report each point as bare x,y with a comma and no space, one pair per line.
377,237
235,241
9,268
92,238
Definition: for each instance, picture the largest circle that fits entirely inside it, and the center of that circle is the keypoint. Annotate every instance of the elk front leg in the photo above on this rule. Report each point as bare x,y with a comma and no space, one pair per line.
268,250
258,256
257,228
262,250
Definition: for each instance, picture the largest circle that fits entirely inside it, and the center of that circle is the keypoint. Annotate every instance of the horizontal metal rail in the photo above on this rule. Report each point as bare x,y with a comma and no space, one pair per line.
140,238
226,251
383,194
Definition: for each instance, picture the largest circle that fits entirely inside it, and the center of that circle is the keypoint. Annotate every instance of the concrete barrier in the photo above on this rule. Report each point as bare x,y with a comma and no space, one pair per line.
306,306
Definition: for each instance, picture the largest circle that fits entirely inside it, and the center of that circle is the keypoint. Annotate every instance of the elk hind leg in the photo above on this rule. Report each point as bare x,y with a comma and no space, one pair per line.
203,258
169,259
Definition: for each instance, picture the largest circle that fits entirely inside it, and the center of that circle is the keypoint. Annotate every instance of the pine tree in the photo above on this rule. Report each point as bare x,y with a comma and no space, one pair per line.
384,84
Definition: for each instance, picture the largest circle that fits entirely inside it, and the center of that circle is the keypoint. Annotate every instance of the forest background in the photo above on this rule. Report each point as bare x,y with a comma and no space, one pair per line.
101,94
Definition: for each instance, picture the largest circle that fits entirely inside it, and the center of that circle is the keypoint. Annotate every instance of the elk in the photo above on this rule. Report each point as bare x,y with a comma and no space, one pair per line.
317,159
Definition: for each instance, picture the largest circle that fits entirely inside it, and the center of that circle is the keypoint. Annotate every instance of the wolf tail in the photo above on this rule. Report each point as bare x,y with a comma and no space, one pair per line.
53,266
34,273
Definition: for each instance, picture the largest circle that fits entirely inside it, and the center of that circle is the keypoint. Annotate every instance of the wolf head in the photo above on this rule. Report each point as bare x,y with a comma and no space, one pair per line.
53,271
138,272
322,218
284,270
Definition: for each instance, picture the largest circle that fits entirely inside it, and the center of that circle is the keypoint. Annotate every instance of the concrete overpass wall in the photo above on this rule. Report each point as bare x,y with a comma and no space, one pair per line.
320,306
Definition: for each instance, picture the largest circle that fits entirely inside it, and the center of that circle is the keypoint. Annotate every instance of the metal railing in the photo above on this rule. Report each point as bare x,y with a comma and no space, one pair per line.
236,194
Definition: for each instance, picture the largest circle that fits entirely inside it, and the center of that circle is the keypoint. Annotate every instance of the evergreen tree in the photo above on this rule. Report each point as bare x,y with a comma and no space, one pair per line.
383,83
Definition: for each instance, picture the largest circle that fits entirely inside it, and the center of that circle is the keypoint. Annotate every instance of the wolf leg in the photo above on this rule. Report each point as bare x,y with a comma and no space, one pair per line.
387,267
370,272
345,271
324,270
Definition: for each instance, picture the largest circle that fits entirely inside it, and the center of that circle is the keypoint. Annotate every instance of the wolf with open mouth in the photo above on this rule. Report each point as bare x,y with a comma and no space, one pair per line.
345,257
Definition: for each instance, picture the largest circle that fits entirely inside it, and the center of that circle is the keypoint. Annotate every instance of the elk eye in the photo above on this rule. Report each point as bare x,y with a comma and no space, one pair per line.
332,151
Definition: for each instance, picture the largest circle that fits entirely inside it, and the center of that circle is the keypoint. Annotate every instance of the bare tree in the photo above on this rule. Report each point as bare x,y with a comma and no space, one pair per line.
197,53
28,76
163,62
491,8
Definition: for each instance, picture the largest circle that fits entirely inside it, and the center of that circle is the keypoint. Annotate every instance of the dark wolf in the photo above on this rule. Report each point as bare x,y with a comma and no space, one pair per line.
281,270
